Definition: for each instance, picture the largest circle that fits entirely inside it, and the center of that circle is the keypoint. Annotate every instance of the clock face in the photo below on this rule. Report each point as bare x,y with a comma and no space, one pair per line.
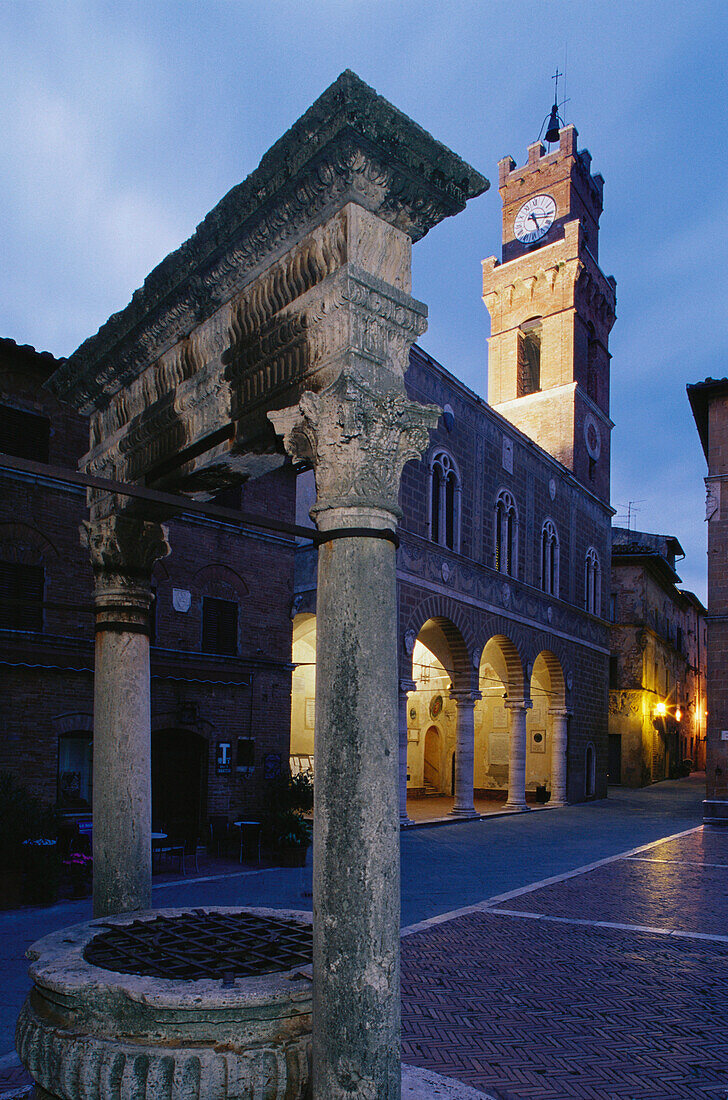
534,219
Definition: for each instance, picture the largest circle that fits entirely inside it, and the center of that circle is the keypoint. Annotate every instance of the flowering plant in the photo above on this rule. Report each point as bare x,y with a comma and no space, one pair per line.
78,859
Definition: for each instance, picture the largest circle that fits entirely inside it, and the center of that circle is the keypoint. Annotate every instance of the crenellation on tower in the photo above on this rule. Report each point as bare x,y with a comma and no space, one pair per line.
552,308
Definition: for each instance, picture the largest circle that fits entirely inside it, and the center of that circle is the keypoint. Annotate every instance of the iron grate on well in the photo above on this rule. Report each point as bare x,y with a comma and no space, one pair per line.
198,944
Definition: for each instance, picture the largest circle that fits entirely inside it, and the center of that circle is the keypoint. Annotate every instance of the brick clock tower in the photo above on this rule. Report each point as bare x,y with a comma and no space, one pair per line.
552,308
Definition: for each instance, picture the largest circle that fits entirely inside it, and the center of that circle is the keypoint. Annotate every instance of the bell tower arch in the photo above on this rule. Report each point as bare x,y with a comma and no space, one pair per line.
552,308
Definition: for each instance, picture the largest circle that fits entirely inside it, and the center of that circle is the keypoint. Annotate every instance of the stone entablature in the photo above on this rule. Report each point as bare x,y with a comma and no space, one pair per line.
307,260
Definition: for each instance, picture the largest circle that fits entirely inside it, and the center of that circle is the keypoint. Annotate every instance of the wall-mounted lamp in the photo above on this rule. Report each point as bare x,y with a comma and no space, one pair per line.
678,714
660,710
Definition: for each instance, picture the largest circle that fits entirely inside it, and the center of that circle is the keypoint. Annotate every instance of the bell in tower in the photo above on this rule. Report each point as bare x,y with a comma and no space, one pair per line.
552,308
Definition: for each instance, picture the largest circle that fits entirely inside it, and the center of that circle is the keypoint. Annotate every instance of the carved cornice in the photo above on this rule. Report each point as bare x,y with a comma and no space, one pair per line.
357,439
350,146
468,579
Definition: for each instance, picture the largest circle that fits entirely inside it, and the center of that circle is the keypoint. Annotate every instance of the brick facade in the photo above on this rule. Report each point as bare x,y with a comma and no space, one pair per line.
202,698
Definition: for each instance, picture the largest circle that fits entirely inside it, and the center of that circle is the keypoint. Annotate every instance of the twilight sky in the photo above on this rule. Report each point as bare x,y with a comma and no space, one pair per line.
124,123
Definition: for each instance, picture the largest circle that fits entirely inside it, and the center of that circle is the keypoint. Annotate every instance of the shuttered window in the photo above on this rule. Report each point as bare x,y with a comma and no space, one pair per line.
21,596
24,434
219,626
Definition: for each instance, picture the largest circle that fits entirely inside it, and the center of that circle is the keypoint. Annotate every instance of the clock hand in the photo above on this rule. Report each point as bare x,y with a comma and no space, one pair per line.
532,215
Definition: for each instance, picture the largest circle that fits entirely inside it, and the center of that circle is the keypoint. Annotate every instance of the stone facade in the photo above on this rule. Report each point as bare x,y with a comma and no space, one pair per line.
657,696
709,403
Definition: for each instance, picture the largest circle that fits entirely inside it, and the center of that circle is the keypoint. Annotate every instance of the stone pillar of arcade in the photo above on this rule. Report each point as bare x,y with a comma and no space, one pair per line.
406,687
517,754
559,746
464,751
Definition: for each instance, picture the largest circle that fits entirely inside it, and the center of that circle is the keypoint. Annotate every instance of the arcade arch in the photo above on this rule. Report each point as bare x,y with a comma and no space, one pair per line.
546,728
501,682
430,716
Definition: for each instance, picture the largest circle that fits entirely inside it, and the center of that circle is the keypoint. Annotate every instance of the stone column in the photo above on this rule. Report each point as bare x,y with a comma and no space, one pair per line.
358,437
123,551
464,752
405,687
559,746
517,754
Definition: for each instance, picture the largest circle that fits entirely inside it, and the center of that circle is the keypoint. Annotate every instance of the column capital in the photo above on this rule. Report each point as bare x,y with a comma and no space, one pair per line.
518,704
559,712
405,686
358,439
465,696
123,550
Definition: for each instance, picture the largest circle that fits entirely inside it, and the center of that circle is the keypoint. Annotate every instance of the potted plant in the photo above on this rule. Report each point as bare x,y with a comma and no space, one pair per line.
286,831
80,868
29,868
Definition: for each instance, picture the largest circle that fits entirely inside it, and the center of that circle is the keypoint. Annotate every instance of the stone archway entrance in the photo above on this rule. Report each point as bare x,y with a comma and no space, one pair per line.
546,761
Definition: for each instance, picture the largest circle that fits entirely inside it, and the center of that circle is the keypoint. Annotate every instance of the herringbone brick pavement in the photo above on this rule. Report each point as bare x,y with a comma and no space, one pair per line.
541,1011
531,1009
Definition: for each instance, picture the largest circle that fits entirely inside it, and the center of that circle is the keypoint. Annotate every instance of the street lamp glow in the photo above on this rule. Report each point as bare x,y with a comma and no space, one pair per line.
678,714
660,710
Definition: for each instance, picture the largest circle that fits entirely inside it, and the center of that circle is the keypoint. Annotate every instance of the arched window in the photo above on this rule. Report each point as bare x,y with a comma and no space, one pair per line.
444,501
549,559
506,534
529,357
592,582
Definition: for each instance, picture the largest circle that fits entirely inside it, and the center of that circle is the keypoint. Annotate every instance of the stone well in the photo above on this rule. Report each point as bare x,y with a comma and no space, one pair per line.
91,1033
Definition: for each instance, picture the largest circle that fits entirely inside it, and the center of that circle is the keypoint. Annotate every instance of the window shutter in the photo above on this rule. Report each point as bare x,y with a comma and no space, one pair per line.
24,434
219,626
21,596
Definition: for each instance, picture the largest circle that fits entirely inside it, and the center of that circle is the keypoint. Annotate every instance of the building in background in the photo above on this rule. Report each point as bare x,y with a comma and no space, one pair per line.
503,567
221,629
709,403
657,672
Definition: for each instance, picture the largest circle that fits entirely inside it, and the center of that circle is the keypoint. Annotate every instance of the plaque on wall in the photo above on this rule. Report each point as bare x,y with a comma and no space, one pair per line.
310,717
538,741
224,760
413,733
498,749
500,718
436,706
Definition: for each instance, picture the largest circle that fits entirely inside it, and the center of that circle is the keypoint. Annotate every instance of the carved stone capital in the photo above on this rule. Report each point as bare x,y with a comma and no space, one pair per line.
518,704
123,551
358,440
465,697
